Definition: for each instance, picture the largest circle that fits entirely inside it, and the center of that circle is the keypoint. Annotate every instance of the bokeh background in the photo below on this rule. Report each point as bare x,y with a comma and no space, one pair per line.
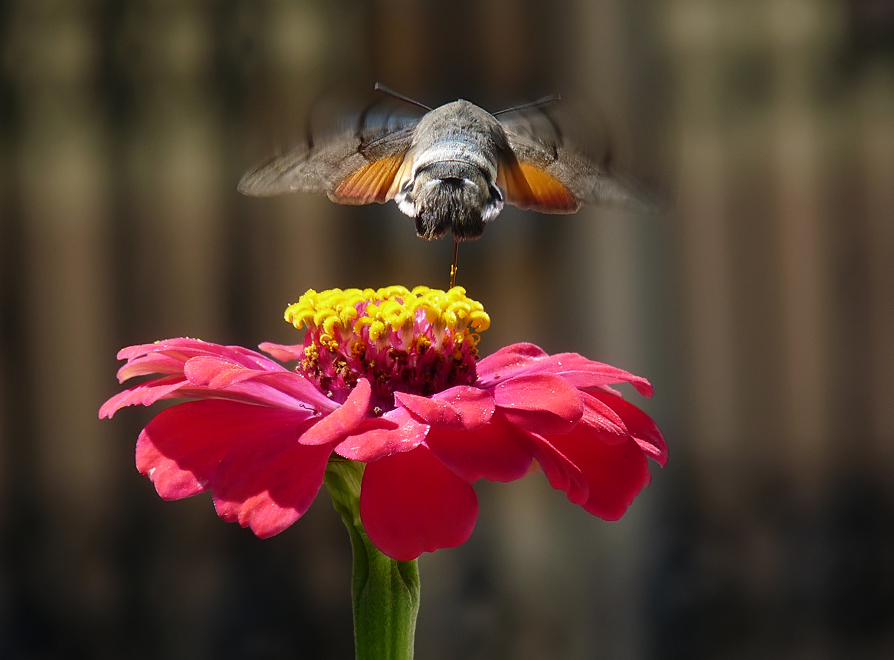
761,307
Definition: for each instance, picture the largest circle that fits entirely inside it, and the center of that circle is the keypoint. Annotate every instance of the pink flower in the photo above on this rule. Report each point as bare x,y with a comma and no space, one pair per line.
389,378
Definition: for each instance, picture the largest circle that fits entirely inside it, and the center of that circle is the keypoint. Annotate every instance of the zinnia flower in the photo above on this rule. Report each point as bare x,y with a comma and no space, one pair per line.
390,378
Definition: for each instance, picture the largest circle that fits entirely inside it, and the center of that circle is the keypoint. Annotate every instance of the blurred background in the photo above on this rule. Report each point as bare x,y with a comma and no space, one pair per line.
761,308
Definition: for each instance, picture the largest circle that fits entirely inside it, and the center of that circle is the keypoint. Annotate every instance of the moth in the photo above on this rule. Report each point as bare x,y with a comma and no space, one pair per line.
452,170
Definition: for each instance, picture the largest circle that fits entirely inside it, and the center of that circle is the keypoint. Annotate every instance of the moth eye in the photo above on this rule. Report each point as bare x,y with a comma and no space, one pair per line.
405,201
494,205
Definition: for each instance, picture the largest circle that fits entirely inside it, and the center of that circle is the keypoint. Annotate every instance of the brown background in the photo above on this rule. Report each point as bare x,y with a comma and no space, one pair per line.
762,309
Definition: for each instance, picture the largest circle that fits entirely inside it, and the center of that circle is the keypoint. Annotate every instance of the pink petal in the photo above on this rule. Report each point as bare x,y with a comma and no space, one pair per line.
615,473
475,405
395,432
343,420
507,362
411,503
600,418
269,485
179,343
460,407
130,352
180,449
175,345
253,359
165,356
540,402
214,372
560,470
497,451
274,388
643,429
282,352
584,373
156,363
577,370
436,413
284,389
144,394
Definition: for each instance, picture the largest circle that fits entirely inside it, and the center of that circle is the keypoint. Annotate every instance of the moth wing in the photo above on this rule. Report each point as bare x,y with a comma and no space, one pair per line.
376,172
355,166
540,172
529,186
295,171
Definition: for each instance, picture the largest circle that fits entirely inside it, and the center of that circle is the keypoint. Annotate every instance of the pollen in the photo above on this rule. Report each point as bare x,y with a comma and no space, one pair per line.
420,341
390,308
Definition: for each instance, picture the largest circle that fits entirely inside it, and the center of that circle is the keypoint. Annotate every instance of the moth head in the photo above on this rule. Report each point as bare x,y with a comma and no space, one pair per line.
450,196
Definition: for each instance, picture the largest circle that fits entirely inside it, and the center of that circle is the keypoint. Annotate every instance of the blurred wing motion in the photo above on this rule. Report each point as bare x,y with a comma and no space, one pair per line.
543,174
356,166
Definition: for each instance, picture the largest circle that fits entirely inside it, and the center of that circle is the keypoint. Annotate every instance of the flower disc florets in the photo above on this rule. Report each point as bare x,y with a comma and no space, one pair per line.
420,342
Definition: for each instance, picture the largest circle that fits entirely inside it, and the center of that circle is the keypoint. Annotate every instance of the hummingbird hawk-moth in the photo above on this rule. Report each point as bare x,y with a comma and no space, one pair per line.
452,169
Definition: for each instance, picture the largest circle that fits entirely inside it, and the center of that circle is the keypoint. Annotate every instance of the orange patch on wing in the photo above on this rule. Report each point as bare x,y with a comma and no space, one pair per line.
370,183
528,187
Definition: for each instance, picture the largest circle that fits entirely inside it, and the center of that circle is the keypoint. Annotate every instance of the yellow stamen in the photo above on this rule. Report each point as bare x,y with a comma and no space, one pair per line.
392,308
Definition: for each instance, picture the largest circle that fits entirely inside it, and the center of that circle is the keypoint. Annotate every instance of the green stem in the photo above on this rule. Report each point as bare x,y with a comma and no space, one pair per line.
385,592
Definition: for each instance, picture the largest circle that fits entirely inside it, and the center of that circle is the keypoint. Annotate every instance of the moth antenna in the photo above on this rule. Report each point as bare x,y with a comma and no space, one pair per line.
540,104
361,122
560,137
308,132
400,97
546,100
453,267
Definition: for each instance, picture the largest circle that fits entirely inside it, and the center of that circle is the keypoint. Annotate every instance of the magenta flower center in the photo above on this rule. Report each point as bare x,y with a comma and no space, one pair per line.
421,341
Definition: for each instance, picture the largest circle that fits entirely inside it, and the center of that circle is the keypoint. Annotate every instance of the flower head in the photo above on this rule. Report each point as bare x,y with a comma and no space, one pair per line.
390,378
418,341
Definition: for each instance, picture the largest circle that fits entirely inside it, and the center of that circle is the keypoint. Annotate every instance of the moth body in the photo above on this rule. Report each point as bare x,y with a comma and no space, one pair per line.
451,185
